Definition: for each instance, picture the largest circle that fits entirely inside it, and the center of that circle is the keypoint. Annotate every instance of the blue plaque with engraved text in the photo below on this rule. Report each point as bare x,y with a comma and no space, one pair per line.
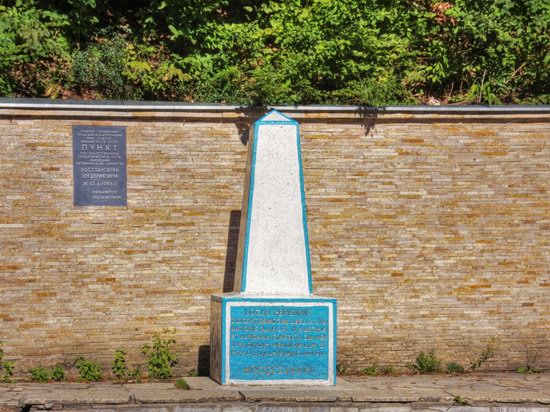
279,342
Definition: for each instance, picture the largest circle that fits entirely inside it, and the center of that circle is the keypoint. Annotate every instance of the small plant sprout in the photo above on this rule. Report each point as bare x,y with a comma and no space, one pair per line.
119,369
342,368
182,384
135,374
6,367
487,353
459,400
387,370
528,369
370,370
454,367
531,359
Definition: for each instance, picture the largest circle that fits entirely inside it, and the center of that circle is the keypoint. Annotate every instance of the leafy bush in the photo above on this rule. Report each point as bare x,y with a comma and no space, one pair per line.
99,69
29,38
89,371
6,367
426,363
364,52
58,373
40,375
161,359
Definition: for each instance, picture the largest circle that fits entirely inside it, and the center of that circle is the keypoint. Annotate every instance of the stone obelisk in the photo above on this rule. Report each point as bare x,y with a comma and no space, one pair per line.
271,329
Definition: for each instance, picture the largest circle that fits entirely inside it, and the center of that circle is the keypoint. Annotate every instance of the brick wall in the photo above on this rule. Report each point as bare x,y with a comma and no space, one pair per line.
432,230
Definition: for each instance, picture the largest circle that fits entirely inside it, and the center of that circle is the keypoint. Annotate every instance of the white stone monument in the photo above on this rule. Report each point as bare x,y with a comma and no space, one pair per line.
271,329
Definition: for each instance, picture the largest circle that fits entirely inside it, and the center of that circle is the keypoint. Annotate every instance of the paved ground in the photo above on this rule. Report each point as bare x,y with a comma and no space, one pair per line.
502,392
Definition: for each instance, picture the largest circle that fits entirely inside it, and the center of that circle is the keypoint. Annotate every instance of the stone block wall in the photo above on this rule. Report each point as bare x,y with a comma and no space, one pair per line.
431,229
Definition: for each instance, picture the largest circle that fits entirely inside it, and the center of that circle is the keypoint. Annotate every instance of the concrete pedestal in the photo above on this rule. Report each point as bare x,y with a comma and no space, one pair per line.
273,340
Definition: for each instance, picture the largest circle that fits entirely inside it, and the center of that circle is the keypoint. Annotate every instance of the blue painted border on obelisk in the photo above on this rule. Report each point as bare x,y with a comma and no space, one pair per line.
257,125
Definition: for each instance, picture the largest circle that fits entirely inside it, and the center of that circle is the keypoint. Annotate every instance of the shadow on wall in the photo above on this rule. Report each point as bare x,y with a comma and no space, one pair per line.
368,116
247,117
203,361
231,256
203,358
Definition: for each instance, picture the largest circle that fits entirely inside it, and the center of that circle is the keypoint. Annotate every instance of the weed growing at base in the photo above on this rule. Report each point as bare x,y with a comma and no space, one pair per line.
426,363
58,373
454,367
119,368
182,384
89,370
487,353
40,375
370,370
6,367
161,359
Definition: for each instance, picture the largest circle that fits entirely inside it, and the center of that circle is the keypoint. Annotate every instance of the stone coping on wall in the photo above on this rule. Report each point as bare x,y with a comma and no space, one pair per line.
141,110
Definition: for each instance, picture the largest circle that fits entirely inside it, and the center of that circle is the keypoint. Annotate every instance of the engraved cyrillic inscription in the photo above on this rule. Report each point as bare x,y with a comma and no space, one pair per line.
278,342
99,165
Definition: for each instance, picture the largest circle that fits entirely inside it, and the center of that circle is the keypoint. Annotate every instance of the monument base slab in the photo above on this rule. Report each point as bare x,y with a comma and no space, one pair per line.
270,340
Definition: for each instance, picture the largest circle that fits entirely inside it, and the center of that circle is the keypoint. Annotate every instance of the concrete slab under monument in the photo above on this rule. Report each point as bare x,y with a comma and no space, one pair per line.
272,329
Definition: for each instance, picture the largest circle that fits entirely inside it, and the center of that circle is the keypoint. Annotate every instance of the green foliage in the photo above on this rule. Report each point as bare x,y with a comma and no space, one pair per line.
454,367
89,371
459,400
119,368
58,373
365,52
99,69
30,39
370,370
387,370
182,384
6,367
426,363
40,374
135,374
528,369
487,353
161,359
44,375
531,360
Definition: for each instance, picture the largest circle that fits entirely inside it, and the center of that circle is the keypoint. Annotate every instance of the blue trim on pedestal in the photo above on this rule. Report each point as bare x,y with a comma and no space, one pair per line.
254,142
223,337
335,334
224,300
258,298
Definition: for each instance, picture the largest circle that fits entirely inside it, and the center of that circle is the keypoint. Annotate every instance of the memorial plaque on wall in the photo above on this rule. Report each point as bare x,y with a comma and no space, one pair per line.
99,165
